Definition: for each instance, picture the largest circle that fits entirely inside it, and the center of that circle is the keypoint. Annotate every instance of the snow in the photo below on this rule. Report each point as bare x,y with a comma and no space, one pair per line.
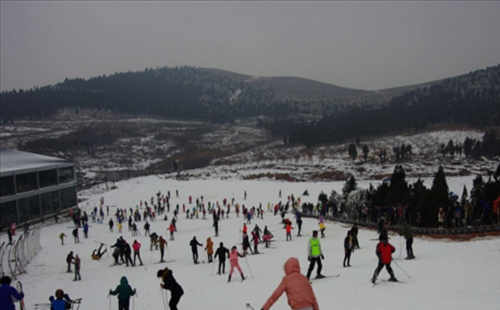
444,275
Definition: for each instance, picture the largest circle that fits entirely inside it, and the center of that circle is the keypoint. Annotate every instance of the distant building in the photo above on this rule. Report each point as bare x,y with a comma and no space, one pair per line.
33,185
117,175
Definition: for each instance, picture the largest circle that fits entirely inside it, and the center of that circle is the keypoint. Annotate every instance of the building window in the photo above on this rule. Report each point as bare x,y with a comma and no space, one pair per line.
26,182
68,197
47,178
7,186
66,175
8,214
29,208
50,202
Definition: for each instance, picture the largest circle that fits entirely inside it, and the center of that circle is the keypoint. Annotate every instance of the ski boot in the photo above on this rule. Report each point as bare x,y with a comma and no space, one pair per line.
320,276
242,278
229,279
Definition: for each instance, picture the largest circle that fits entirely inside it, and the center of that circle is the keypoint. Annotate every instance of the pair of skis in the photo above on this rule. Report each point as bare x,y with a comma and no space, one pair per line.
19,287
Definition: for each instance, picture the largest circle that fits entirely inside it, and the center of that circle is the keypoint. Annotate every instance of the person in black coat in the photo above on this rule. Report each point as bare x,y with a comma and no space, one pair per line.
169,283
127,252
348,248
194,249
222,252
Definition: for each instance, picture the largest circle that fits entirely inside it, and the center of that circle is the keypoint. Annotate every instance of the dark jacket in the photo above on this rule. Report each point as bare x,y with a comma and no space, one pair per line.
123,290
194,245
7,292
169,283
222,252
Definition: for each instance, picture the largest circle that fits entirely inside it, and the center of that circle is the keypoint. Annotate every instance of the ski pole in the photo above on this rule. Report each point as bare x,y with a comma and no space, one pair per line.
400,247
248,266
168,252
401,269
250,307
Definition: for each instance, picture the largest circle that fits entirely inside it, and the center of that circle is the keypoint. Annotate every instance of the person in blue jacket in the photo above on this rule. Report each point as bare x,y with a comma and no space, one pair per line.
8,294
61,302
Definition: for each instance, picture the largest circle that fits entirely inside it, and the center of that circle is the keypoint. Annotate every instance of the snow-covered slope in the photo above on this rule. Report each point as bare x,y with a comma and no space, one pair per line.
445,274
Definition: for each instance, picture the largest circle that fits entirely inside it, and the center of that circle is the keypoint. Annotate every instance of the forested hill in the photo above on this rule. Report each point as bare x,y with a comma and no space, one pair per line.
180,92
472,100
219,96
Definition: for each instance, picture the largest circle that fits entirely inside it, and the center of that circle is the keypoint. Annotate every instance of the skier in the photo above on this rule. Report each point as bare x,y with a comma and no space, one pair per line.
194,249
289,231
299,224
124,292
246,244
86,230
222,252
407,232
267,236
314,255
348,248
171,229
153,238
127,252
9,234
75,235
169,283
233,260
61,236
216,223
384,252
69,260
110,223
77,262
297,287
146,229
96,254
8,294
355,231
210,249
137,247
322,229
162,243
255,240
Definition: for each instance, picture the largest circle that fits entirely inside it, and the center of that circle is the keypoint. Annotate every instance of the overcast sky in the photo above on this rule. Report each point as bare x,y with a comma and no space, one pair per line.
363,45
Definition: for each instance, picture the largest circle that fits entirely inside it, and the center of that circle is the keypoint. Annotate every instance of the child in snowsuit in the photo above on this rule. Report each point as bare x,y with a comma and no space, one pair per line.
384,252
124,292
169,283
297,287
233,260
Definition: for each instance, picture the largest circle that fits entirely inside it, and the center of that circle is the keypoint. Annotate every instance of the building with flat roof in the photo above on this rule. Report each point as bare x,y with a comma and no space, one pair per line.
33,186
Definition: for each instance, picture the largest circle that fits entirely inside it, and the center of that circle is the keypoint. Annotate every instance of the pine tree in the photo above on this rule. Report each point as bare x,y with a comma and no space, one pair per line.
439,197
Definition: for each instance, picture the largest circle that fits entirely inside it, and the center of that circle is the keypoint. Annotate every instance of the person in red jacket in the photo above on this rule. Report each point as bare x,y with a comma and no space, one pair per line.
137,247
297,287
384,252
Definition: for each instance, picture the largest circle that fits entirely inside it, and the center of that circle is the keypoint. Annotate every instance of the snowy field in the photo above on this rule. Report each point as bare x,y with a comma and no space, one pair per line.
444,275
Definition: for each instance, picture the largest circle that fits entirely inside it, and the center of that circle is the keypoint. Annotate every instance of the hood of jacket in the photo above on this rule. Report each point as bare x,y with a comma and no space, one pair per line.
292,265
124,280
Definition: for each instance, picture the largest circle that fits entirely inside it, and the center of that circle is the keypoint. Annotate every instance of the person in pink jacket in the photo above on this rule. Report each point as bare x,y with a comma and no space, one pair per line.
297,287
233,260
